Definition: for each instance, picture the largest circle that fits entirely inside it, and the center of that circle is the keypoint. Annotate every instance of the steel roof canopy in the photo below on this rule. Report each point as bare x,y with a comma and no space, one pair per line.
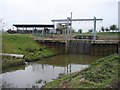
33,25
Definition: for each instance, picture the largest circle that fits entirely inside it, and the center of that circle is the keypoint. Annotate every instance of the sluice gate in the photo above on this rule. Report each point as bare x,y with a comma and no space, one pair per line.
77,46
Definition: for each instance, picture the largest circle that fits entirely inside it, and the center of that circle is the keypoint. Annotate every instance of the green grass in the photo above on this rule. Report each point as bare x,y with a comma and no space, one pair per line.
25,45
108,34
18,43
104,73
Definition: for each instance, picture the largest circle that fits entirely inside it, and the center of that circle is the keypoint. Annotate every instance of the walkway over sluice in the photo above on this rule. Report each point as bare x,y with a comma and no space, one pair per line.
63,39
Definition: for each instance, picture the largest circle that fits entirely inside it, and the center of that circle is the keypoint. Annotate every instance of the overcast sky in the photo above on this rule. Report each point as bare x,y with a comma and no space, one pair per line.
43,11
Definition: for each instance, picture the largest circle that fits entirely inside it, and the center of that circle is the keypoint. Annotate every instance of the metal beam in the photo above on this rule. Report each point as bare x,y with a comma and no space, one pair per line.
65,20
70,19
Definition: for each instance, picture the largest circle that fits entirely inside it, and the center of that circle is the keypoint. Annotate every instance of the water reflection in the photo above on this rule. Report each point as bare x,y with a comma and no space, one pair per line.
64,60
38,73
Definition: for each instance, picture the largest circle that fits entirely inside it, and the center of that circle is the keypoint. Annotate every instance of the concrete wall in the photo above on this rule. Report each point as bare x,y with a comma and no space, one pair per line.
104,49
59,46
86,47
83,47
79,47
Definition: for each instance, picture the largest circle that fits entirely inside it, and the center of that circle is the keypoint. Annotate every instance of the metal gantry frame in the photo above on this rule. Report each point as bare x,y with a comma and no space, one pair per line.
69,23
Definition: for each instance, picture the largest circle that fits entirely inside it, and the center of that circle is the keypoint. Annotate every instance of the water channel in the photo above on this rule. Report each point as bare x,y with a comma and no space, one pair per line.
37,74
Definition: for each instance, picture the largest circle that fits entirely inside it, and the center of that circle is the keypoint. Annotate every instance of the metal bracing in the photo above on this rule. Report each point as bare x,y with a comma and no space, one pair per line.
69,23
64,20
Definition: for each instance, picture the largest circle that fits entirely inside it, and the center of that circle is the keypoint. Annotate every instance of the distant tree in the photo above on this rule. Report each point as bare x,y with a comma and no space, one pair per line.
106,29
90,30
113,27
80,30
11,31
102,29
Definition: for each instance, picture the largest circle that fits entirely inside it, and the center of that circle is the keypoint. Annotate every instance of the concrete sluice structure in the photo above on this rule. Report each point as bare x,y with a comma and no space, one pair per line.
92,48
77,46
55,44
104,48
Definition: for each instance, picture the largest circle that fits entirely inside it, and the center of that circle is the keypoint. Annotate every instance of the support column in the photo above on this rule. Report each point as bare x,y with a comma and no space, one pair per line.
94,33
68,29
26,31
67,26
42,32
18,30
23,30
67,35
53,29
33,31
71,24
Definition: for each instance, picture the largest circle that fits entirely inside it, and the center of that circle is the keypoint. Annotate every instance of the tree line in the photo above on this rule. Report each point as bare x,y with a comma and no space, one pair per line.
112,28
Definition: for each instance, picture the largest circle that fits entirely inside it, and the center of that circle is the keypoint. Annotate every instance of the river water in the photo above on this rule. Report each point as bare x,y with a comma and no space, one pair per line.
37,74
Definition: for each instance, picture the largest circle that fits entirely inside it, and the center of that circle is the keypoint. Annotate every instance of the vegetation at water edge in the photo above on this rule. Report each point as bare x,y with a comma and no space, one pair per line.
103,73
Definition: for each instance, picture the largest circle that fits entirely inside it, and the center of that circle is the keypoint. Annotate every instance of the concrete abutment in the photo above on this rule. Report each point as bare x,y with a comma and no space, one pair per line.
84,46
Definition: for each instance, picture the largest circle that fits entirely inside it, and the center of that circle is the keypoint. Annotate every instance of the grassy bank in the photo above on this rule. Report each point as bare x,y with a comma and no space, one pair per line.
8,61
25,45
104,73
